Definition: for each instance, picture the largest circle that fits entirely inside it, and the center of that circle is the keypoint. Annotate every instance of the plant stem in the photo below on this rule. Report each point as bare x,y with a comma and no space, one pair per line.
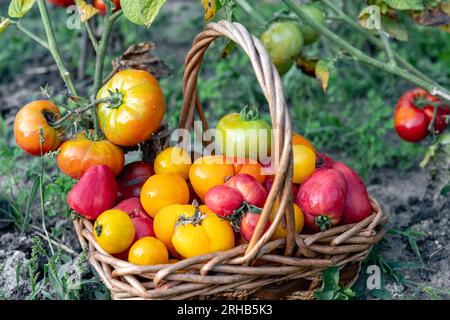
387,47
30,34
100,62
249,9
53,47
357,54
91,34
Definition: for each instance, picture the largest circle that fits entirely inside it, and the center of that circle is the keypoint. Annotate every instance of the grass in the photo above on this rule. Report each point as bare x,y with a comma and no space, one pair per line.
352,121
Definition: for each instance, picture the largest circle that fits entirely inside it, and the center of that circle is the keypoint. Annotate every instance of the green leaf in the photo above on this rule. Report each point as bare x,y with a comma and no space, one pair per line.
3,25
30,200
395,30
141,12
19,8
405,4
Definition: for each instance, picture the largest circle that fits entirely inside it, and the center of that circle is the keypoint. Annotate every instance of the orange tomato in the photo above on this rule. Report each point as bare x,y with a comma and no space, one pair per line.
304,163
175,160
255,170
162,190
139,109
148,251
208,172
30,119
298,139
78,155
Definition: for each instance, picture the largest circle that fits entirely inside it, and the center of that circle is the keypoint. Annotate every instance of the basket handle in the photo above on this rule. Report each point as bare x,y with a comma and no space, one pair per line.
270,83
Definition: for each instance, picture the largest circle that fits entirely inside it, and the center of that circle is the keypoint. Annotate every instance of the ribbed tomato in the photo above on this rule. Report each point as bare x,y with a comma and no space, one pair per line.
78,155
35,116
137,111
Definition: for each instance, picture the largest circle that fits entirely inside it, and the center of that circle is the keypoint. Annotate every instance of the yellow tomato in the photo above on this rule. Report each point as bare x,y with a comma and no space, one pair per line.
148,251
162,190
304,163
207,234
114,231
299,219
175,160
298,139
166,219
208,172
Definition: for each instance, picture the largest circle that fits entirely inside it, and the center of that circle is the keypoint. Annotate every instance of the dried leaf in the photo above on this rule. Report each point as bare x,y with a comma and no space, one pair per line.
307,65
323,73
445,7
369,17
432,18
211,8
86,11
140,57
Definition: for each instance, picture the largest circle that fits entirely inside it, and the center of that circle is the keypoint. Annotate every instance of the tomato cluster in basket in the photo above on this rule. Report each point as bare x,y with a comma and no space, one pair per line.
177,207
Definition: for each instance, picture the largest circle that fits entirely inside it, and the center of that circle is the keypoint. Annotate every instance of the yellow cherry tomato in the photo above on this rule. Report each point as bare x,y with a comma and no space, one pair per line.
165,221
304,163
208,172
204,234
162,190
148,251
299,219
175,160
298,139
114,231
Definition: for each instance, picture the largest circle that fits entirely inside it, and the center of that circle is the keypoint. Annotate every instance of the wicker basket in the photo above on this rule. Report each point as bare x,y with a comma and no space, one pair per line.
262,269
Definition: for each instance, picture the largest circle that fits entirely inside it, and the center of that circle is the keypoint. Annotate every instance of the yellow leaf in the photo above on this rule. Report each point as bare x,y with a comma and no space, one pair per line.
3,25
210,7
323,73
86,11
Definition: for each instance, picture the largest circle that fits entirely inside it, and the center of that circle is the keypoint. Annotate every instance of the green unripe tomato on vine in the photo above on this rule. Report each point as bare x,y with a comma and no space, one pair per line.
283,41
244,135
309,35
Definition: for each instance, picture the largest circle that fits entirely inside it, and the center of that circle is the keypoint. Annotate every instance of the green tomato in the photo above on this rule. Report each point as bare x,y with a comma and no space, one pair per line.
244,135
283,41
309,35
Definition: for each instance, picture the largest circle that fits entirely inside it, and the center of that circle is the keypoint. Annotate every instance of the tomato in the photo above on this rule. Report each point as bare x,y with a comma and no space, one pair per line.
148,251
175,160
132,178
162,190
165,221
35,116
78,155
62,3
441,122
223,200
202,234
100,5
244,135
114,231
299,222
138,111
304,163
298,139
269,182
322,199
323,161
91,204
133,207
252,191
283,41
309,34
208,172
255,170
248,225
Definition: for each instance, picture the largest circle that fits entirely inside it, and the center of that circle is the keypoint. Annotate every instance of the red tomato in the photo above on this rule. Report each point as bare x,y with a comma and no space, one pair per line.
100,5
441,122
248,225
133,207
132,178
411,122
269,182
91,204
324,161
252,191
223,200
62,3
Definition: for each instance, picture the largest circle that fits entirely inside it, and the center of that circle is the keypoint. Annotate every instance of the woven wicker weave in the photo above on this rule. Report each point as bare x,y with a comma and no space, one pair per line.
292,266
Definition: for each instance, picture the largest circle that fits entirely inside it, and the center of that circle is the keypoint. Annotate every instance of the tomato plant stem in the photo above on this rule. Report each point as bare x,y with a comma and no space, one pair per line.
53,47
249,9
30,34
387,47
358,55
100,62
91,34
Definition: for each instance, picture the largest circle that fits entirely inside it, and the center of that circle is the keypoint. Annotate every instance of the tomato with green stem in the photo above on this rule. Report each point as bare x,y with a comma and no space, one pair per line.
33,122
101,5
244,135
283,41
136,110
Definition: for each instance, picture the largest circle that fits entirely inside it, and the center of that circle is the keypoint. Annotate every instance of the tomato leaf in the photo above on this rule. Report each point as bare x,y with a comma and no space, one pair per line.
368,18
141,12
19,8
211,7
331,290
306,65
405,4
4,24
86,11
322,72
